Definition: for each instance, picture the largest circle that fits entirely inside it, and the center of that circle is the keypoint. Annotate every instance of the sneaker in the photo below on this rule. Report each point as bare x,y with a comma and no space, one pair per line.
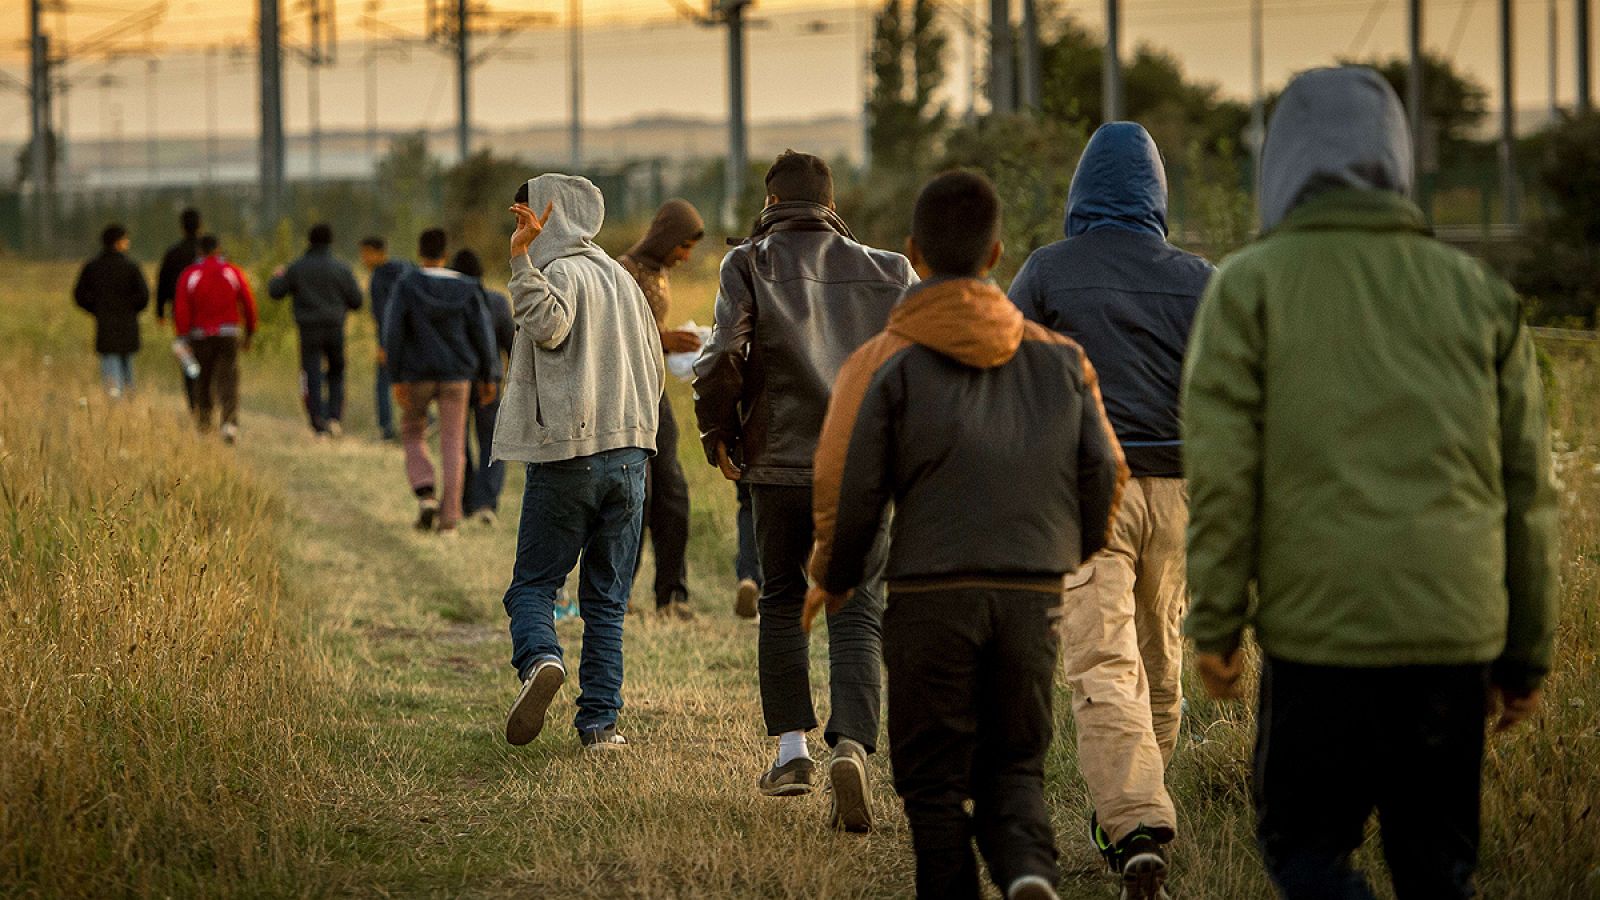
847,784
791,779
451,533
1032,887
335,429
604,738
427,512
485,517
1140,859
391,436
230,433
526,718
744,601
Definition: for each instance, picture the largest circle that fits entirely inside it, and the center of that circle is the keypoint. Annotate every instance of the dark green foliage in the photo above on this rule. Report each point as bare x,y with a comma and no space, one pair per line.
1559,270
907,70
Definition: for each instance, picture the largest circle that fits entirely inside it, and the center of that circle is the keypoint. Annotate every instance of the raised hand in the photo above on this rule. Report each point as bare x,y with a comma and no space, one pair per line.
529,226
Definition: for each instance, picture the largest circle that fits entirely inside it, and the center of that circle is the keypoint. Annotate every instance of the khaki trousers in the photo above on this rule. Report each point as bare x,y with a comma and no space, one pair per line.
1123,656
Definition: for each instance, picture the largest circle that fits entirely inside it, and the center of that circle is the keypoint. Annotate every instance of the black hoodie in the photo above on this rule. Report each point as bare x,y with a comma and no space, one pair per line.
437,328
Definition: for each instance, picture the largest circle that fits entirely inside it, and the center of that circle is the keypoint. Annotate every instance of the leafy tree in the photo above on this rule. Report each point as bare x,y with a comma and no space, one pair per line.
1176,111
476,193
1560,269
907,70
410,182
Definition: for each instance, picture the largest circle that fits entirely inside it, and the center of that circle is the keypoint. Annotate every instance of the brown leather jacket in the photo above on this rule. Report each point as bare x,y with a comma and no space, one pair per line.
794,301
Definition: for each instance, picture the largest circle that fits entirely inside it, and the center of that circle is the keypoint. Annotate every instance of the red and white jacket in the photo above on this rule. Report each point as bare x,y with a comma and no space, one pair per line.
213,296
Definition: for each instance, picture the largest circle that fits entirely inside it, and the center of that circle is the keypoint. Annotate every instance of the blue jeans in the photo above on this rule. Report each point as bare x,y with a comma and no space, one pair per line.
747,563
591,507
484,480
385,400
116,370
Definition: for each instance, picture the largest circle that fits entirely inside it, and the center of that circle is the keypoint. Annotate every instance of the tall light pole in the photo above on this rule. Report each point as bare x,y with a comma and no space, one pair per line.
463,82
1002,55
1414,92
1581,34
1031,98
1258,100
732,12
575,80
271,78
1111,65
1508,118
1554,75
38,145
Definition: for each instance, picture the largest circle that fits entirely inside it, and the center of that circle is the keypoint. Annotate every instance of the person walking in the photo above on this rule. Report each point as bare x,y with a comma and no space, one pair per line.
794,300
1372,492
178,257
988,434
439,344
383,273
324,291
485,475
669,241
580,411
215,312
1117,288
111,288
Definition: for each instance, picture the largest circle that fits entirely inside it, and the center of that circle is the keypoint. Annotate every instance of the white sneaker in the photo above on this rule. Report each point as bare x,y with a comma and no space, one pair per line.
335,429
230,433
486,517
427,512
526,718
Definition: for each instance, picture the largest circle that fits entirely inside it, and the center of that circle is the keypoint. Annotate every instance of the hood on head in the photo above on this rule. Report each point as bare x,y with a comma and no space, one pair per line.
579,211
968,320
675,222
1333,128
1120,183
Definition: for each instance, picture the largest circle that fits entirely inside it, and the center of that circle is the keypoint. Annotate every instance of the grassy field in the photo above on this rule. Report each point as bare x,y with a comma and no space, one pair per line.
239,672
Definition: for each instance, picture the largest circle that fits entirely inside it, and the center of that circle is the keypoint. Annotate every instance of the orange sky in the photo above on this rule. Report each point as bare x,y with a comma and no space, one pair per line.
642,58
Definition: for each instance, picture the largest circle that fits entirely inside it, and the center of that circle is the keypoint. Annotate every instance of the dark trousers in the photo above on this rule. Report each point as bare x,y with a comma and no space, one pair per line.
971,675
189,387
319,345
1335,743
481,488
666,511
746,562
855,633
383,389
586,508
218,383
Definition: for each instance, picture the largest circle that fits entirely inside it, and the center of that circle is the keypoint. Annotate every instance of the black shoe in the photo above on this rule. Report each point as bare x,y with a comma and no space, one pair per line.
603,738
427,512
791,779
526,718
1140,859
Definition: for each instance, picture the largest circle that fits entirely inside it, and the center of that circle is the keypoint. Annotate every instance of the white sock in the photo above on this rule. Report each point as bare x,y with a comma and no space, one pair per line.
792,746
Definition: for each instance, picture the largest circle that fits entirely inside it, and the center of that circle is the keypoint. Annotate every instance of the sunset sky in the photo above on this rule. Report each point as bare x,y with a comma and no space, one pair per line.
642,57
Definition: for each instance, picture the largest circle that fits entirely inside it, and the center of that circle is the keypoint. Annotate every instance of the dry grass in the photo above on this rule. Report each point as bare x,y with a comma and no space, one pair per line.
351,746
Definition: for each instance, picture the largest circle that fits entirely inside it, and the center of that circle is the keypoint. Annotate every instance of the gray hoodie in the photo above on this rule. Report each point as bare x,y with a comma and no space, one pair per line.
1333,128
586,365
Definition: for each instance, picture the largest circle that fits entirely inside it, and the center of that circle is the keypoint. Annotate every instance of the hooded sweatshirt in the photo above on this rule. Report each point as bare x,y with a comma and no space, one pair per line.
437,328
986,432
586,365
676,222
1364,425
1116,287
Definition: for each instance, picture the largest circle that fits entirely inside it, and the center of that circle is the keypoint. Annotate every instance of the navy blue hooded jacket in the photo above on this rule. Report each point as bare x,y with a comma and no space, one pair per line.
1121,291
437,328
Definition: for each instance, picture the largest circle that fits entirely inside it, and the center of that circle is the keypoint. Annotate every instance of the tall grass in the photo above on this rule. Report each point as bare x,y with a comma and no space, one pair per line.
149,700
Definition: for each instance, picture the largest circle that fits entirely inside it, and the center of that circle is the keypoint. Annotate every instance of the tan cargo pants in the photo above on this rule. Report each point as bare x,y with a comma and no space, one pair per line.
1123,656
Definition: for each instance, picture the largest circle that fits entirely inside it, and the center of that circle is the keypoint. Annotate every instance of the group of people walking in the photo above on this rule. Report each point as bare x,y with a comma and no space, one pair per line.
1335,439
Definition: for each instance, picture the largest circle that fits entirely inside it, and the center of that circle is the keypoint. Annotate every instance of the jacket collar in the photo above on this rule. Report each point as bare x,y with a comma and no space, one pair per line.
967,319
799,215
1353,209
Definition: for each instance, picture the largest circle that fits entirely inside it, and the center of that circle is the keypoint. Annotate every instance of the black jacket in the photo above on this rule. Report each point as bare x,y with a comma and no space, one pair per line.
324,288
985,431
793,302
1121,291
112,289
178,257
437,328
